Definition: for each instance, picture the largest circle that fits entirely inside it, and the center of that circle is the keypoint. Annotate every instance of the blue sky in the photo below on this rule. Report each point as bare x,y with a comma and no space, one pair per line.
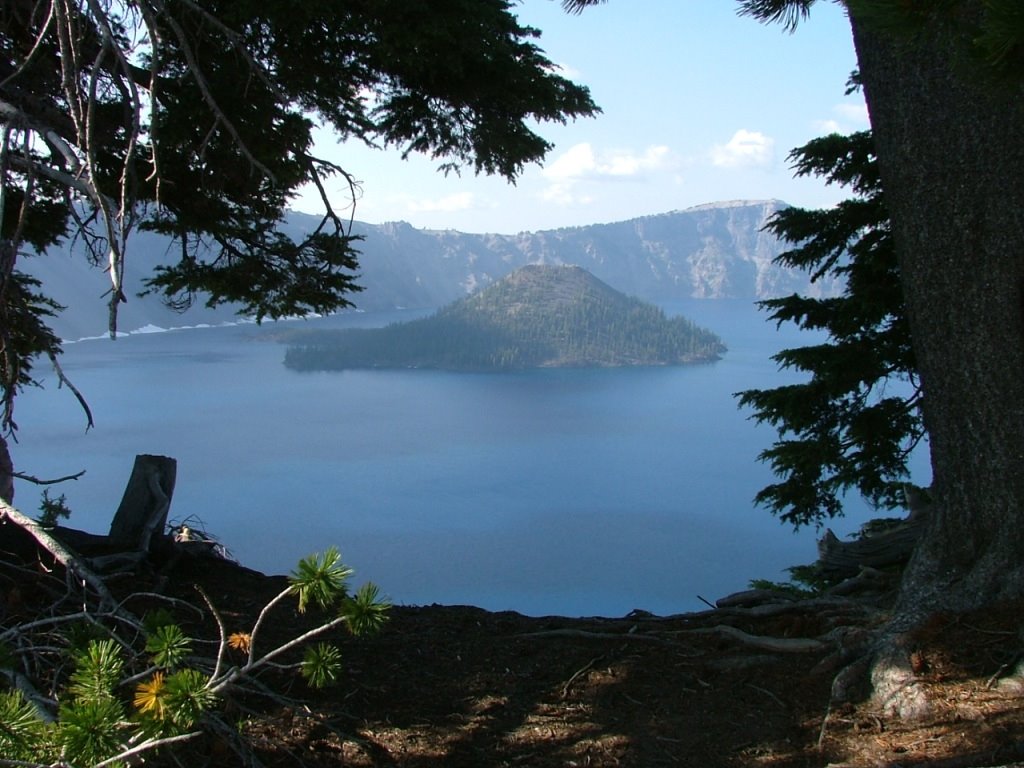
699,105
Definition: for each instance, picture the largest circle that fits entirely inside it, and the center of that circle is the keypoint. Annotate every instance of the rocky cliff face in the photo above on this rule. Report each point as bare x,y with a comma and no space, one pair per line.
711,251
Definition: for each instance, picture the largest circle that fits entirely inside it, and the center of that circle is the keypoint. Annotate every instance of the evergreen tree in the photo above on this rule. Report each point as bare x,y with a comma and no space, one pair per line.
847,427
196,119
944,84
946,115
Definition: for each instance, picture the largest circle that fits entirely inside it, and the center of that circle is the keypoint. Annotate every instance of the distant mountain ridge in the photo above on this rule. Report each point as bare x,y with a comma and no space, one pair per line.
540,316
718,250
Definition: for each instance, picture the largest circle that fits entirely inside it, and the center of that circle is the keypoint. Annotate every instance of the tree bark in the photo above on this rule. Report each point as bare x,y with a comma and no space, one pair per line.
844,559
950,144
6,473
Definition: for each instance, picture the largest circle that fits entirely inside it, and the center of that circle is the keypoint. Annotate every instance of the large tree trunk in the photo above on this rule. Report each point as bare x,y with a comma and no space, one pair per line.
6,473
951,153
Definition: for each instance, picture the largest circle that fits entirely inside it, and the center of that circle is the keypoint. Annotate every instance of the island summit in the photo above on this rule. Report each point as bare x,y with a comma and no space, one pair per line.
539,316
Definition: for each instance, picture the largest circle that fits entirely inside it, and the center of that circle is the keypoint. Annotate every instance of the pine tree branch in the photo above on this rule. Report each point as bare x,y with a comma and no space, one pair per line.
231,676
223,642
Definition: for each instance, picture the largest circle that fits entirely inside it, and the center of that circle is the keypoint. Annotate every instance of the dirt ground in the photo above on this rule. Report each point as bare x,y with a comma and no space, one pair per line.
459,686
450,686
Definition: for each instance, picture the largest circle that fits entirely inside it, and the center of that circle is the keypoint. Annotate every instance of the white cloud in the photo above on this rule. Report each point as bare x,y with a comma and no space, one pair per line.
581,163
746,149
460,201
576,162
654,158
565,194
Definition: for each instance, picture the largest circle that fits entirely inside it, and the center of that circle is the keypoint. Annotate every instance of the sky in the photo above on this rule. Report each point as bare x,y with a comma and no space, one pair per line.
700,105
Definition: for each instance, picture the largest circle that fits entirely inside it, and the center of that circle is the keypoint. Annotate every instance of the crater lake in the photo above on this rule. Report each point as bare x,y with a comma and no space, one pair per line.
554,491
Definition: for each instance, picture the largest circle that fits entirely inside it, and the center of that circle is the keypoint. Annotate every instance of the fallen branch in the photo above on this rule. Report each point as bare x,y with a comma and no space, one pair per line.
767,693
778,644
146,746
589,665
60,553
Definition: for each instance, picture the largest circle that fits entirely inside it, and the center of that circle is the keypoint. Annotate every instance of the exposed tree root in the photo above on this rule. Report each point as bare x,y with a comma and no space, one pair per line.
896,688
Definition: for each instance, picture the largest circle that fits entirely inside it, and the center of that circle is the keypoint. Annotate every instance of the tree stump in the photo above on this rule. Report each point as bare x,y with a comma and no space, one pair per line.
145,504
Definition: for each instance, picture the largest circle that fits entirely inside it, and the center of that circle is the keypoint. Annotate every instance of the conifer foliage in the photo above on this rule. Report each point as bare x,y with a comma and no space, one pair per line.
854,422
95,686
196,119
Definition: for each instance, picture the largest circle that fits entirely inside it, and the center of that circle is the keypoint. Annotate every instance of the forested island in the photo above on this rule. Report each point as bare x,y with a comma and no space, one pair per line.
539,316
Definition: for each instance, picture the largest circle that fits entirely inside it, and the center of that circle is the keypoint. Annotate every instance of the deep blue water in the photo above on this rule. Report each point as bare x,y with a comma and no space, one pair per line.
576,492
